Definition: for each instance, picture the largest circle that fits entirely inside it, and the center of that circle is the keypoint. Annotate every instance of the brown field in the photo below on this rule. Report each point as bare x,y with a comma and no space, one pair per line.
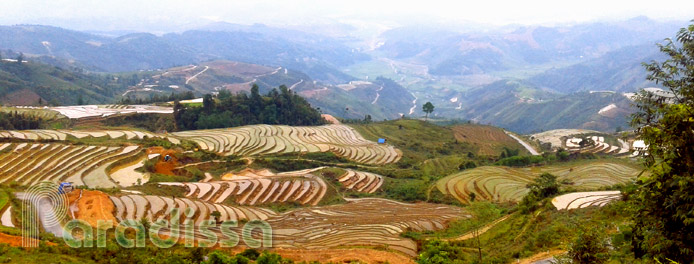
368,222
164,167
21,97
490,140
237,68
91,206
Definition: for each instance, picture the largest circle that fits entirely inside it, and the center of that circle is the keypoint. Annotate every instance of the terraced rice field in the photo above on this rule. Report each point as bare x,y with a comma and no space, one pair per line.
490,140
360,222
153,208
554,137
82,111
32,111
303,190
30,163
361,181
585,199
267,139
598,145
61,135
505,184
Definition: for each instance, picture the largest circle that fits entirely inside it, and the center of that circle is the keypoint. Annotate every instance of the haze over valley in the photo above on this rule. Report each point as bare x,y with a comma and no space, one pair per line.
422,132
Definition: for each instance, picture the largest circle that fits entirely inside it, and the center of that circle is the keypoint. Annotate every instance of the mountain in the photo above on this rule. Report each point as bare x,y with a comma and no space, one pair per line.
97,53
31,82
504,104
619,70
451,53
317,56
382,98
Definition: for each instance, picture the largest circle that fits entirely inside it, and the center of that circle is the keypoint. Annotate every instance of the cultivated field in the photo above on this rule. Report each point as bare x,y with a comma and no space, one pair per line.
360,222
277,139
62,134
30,163
490,140
81,111
584,199
42,113
361,181
153,208
554,137
595,144
505,184
256,187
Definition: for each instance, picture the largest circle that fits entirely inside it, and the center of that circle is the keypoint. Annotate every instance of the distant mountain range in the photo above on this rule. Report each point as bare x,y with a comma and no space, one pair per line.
451,53
525,79
317,56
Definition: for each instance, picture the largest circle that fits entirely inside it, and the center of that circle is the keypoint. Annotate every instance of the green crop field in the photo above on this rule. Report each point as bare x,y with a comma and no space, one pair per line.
506,184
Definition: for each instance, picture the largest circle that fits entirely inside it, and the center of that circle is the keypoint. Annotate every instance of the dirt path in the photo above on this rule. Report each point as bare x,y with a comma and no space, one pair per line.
294,85
378,94
414,104
196,75
542,257
526,145
484,229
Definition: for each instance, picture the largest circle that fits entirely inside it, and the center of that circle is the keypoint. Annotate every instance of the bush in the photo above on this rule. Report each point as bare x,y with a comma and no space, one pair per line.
590,247
441,252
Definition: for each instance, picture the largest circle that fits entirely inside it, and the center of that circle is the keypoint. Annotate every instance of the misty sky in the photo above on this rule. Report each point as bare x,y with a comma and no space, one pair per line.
178,15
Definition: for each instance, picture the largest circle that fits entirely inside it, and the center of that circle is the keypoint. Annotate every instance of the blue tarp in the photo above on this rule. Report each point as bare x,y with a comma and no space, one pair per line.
381,141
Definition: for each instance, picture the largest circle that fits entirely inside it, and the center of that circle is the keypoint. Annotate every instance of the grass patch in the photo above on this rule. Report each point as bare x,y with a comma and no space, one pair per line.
4,198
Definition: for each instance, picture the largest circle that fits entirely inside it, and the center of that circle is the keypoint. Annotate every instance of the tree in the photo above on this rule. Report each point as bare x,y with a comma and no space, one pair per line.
20,58
664,218
590,247
542,187
440,252
208,103
428,108
216,215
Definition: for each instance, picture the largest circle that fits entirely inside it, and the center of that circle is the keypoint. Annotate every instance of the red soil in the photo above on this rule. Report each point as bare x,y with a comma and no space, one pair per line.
164,167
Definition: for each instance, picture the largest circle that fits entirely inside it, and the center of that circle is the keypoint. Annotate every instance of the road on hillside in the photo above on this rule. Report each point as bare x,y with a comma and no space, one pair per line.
526,145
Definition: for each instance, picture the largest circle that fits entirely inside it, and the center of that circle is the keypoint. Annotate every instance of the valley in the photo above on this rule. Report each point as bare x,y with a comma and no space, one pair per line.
337,138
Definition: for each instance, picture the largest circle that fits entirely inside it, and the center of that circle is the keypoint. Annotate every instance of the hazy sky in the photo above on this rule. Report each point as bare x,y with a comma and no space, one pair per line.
166,15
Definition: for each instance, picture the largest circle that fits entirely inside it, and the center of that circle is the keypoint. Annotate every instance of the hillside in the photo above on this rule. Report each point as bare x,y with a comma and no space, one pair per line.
144,51
452,53
504,104
382,98
30,82
619,71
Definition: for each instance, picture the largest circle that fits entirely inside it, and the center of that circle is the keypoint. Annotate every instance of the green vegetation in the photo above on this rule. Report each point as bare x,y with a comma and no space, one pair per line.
4,198
156,98
150,122
15,121
34,83
542,187
417,140
428,108
227,110
664,221
523,235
